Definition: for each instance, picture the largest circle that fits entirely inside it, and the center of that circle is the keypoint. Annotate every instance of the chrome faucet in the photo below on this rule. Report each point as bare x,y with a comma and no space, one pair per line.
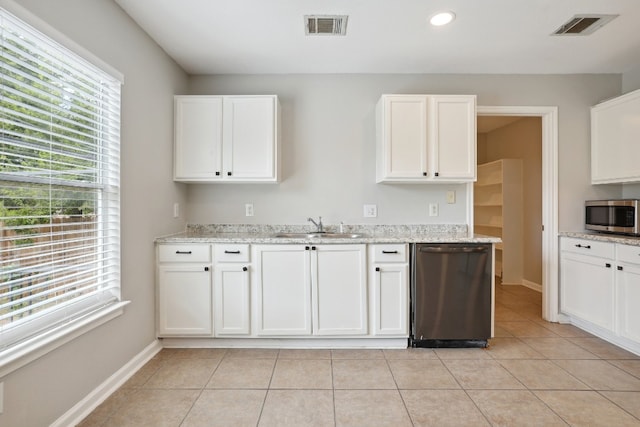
317,224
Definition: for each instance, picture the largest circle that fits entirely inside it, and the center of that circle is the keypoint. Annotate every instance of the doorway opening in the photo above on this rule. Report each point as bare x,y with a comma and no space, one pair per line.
548,259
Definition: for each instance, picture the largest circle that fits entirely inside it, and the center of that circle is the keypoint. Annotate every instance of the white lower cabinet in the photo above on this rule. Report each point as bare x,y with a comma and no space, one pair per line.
184,291
339,285
283,290
587,276
388,277
628,287
600,289
232,291
307,290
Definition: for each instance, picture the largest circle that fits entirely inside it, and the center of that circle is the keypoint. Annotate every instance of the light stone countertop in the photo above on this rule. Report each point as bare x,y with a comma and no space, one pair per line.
602,237
264,234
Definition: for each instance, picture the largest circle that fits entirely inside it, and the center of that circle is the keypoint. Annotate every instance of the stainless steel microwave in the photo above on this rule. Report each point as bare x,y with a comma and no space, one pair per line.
613,216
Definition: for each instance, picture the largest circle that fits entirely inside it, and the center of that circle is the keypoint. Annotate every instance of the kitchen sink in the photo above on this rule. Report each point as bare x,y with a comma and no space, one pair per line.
319,235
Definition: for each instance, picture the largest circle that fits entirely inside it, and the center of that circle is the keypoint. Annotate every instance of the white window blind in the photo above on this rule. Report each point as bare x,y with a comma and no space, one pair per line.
59,185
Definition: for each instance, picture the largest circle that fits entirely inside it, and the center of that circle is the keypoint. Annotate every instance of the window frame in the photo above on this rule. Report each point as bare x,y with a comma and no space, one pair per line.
25,351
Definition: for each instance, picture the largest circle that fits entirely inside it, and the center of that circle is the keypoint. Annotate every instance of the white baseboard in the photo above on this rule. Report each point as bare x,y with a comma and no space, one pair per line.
600,332
354,343
83,408
532,285
526,284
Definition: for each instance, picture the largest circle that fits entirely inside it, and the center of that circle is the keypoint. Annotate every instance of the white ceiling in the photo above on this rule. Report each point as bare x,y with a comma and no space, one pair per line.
390,36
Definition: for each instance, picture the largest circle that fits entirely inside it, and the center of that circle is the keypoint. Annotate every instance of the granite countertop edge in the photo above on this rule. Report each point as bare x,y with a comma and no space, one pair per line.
602,237
252,234
257,238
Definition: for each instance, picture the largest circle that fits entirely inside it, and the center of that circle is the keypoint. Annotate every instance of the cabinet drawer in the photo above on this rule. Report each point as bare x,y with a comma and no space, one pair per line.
627,253
184,253
231,253
587,247
389,253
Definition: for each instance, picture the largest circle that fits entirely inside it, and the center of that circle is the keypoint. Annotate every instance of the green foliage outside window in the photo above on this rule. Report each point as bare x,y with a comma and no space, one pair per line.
47,129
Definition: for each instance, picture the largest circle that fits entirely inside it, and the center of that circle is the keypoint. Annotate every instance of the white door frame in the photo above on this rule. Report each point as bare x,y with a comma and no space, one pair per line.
549,116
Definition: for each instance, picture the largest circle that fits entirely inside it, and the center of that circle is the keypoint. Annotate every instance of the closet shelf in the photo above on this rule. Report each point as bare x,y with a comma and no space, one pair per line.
487,184
498,213
488,205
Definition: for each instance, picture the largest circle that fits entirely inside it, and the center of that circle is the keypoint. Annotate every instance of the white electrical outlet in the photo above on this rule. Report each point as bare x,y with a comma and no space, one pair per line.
433,209
451,197
370,211
176,210
248,209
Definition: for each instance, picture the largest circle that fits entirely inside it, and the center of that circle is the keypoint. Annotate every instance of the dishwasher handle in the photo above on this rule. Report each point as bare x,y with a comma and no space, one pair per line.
452,250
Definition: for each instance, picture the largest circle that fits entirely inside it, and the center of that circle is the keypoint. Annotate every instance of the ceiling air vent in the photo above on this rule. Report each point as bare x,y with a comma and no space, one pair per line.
583,25
335,25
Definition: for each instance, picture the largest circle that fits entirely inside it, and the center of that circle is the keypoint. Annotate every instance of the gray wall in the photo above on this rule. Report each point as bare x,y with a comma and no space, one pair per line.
39,393
328,141
631,80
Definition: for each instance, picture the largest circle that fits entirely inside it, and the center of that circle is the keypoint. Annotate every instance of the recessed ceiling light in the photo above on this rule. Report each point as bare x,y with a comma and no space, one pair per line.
442,18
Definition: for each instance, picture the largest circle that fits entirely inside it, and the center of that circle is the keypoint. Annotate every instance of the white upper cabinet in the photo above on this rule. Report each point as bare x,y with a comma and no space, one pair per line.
615,127
426,138
198,138
226,139
453,137
402,138
250,134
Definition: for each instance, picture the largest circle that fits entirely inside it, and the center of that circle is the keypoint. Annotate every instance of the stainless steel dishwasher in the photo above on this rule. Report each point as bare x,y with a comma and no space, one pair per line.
450,295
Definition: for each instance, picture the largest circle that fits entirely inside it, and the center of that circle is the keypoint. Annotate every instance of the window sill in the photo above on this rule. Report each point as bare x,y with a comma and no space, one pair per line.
24,353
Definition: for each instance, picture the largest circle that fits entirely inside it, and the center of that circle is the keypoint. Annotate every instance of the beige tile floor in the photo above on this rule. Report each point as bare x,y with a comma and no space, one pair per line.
533,374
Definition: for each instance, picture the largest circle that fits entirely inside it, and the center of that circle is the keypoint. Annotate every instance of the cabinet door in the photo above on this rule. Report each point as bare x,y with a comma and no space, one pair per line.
184,300
340,289
198,138
628,284
614,140
390,299
403,138
232,299
250,127
586,288
453,137
283,289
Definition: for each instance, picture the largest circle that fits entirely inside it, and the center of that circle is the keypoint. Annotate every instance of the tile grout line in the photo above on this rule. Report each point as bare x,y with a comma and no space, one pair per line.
266,394
533,392
463,389
583,345
623,369
404,404
616,404
333,391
